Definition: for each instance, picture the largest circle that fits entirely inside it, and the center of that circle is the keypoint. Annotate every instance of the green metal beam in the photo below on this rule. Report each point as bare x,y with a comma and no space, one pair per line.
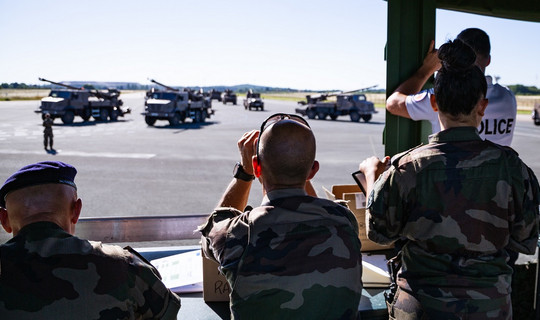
411,27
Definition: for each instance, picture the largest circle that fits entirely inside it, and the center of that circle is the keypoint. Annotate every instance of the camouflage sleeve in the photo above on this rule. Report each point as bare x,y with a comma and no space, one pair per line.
386,207
158,302
224,236
526,193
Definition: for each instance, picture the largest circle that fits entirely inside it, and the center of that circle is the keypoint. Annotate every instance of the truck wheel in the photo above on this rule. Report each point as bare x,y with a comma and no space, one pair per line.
114,115
355,116
224,102
333,116
311,114
183,117
174,120
366,117
103,114
321,115
86,114
149,120
234,102
204,115
68,117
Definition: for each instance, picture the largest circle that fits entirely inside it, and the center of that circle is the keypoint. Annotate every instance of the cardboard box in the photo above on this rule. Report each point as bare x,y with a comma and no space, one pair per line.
357,204
215,285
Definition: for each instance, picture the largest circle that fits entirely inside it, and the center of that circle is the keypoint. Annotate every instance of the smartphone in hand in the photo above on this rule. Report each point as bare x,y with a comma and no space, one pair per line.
360,179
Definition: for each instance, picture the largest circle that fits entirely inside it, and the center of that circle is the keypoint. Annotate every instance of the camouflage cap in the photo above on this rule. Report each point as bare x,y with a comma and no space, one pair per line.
38,173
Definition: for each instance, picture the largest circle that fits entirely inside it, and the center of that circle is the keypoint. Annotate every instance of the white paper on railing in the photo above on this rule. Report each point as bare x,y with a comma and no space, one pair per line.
181,272
374,271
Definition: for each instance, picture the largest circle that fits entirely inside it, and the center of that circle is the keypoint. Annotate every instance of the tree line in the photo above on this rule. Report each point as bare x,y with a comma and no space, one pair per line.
517,89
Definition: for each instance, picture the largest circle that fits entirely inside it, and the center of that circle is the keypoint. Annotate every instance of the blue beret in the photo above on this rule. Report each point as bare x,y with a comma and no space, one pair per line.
38,173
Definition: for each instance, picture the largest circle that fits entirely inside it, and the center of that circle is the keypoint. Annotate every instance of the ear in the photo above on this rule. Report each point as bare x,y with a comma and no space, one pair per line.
4,219
257,169
76,211
314,169
482,105
433,103
488,60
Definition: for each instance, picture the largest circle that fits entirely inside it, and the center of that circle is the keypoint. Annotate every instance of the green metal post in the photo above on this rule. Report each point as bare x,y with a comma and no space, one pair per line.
411,27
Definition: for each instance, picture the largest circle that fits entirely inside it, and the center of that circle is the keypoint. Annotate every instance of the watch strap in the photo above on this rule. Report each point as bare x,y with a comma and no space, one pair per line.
239,173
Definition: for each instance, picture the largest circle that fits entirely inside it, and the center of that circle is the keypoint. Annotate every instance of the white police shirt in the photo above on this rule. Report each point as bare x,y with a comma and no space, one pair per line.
499,120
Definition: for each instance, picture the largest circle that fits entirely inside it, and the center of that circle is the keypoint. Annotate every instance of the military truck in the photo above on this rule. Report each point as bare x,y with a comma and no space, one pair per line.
229,96
536,114
70,102
175,105
350,103
215,95
253,101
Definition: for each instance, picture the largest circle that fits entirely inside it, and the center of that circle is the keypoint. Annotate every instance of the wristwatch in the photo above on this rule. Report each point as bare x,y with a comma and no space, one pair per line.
239,173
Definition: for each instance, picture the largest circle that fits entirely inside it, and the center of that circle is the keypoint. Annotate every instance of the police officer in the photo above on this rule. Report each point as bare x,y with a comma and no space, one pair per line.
48,273
499,121
48,131
460,204
296,256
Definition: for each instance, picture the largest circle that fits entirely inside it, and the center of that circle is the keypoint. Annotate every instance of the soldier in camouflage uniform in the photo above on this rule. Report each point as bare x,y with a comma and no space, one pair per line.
296,256
458,204
47,273
48,132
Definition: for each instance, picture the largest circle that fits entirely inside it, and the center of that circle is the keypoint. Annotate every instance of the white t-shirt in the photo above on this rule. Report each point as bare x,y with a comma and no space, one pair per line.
499,120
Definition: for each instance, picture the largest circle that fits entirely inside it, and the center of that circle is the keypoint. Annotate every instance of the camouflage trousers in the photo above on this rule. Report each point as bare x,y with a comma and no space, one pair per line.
407,307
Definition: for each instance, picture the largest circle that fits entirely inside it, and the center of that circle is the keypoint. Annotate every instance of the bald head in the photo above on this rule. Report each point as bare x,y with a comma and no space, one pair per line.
52,202
287,153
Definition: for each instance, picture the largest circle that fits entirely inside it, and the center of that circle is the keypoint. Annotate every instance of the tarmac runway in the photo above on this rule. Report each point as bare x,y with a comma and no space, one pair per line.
127,168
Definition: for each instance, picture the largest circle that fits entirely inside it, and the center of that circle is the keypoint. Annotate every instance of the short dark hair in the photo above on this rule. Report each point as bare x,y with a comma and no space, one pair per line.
477,39
459,84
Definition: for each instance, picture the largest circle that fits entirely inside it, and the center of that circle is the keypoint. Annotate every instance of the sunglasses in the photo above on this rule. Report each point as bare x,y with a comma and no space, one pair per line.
276,118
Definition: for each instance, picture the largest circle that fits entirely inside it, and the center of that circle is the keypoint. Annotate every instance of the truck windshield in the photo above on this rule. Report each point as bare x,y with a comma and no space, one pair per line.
60,94
164,95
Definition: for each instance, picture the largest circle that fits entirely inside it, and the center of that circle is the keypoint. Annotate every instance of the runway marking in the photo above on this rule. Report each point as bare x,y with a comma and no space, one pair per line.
85,154
530,135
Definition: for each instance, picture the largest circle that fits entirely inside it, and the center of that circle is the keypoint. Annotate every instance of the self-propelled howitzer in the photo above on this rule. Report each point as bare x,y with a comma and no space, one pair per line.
72,101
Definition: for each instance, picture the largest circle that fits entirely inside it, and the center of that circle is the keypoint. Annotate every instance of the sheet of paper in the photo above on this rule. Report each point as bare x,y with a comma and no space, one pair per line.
181,272
329,194
374,271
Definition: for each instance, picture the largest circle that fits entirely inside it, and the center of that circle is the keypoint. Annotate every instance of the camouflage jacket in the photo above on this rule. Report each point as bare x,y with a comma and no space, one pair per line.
294,257
46,273
458,203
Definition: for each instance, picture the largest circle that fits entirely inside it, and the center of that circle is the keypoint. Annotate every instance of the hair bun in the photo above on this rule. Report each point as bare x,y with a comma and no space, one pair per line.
456,56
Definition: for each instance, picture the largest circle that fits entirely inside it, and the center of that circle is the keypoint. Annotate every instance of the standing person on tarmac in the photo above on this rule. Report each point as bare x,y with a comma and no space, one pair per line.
459,204
499,121
48,131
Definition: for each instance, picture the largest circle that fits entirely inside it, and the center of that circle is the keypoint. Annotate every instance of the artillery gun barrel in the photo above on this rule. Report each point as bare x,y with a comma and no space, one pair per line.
59,84
164,86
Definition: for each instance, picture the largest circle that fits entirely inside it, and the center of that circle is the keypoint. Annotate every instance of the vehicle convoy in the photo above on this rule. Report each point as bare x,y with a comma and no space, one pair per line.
350,103
536,114
253,101
70,102
175,105
229,96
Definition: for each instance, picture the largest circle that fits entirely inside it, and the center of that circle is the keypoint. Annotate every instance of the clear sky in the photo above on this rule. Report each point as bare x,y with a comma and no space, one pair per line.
302,44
